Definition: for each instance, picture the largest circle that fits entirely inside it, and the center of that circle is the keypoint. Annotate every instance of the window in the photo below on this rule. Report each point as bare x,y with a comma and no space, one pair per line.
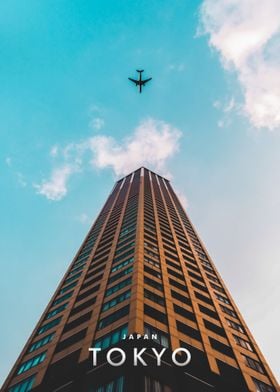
184,312
209,312
78,321
123,256
56,311
152,262
111,338
221,347
77,337
228,311
253,364
222,299
153,297
118,287
31,363
152,272
115,301
41,342
61,299
178,285
123,264
152,385
188,331
155,314
153,284
218,288
243,343
120,274
157,335
235,325
74,271
203,298
49,325
262,387
83,306
214,328
176,274
70,286
199,286
73,278
113,386
126,230
113,317
23,386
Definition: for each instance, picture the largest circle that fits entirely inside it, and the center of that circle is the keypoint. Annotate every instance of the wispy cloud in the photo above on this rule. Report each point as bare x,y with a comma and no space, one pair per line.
96,117
56,187
97,123
152,143
21,179
83,218
247,36
8,161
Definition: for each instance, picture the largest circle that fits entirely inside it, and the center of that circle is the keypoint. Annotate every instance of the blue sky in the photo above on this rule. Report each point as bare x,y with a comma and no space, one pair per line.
71,124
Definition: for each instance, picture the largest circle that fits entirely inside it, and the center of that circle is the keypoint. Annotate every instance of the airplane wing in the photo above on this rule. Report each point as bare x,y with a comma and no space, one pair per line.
134,81
145,81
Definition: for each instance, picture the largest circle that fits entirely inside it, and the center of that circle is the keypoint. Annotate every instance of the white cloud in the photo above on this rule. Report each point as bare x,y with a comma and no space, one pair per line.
83,218
152,143
247,36
21,180
56,187
97,123
54,151
177,67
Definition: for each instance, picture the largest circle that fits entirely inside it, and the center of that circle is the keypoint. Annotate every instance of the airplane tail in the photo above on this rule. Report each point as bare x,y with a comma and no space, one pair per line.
140,70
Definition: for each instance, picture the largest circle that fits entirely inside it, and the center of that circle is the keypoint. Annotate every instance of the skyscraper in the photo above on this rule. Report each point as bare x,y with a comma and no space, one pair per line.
141,273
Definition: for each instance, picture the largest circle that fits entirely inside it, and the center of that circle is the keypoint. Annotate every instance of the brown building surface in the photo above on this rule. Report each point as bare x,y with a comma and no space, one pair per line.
142,269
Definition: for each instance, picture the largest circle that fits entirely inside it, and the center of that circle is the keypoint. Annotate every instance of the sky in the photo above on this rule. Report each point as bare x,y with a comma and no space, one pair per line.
71,124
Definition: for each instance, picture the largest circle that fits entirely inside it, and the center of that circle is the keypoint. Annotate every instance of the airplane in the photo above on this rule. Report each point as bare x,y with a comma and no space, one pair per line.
140,82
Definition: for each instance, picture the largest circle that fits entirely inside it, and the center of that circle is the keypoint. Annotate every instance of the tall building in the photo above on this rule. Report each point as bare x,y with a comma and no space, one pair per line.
142,272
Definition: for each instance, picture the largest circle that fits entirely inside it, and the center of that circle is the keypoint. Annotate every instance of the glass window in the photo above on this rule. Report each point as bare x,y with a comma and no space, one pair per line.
56,311
123,264
120,274
234,325
118,286
41,342
152,385
243,343
113,317
49,325
113,386
31,363
153,283
253,364
153,297
262,387
69,287
61,299
115,301
156,335
111,338
228,311
123,256
23,386
222,299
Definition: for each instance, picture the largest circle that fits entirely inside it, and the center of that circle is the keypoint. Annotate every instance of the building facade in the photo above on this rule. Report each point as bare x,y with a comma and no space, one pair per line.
141,273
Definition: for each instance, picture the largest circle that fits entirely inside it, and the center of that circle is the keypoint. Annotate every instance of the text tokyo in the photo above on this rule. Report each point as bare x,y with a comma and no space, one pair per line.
137,356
